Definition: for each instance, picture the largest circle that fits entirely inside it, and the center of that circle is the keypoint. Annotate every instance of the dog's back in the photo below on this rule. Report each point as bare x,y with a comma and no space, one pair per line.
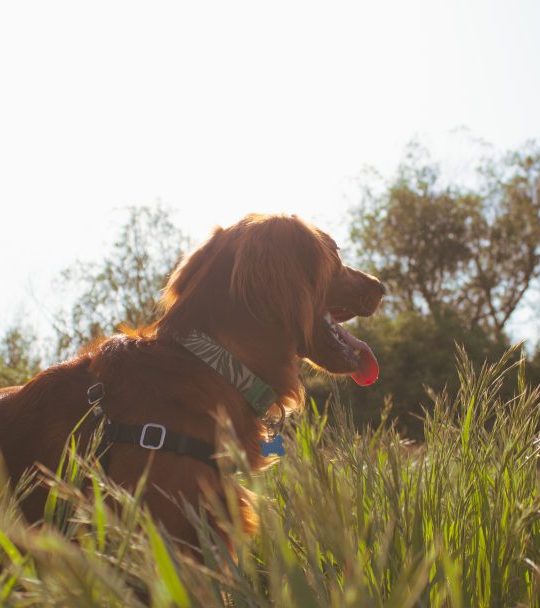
37,418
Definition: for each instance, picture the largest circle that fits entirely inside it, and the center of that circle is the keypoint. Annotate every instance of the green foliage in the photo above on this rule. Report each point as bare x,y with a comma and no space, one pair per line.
456,261
17,361
346,520
416,356
439,246
124,287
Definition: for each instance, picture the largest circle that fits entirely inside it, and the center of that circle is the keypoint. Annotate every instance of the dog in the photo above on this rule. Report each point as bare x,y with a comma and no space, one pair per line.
237,318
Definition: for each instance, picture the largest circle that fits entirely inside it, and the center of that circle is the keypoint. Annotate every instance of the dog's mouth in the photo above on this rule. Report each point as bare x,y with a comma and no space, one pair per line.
350,354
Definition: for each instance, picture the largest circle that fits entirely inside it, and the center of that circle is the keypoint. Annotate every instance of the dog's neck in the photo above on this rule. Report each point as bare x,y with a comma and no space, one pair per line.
266,350
255,391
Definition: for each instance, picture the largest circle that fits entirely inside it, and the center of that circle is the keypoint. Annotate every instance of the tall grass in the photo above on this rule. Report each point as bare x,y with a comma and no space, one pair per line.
346,519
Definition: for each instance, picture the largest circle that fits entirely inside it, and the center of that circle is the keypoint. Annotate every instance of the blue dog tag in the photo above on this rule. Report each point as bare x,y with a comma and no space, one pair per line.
273,447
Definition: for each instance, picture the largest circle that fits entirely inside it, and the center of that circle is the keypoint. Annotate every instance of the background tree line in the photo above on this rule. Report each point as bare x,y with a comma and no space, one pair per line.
457,261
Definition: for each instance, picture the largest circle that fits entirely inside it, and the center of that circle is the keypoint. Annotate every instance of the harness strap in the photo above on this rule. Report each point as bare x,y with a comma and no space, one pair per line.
155,437
151,436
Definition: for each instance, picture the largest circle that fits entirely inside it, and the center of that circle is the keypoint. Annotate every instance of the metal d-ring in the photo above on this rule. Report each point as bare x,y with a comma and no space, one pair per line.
274,427
95,395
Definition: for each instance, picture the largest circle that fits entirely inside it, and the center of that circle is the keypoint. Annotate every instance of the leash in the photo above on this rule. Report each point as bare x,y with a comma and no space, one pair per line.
153,436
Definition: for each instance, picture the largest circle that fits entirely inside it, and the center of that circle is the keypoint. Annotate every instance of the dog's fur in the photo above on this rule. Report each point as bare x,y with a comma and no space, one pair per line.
260,289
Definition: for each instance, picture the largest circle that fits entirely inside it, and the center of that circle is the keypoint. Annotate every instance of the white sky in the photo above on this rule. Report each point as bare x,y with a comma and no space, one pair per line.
223,108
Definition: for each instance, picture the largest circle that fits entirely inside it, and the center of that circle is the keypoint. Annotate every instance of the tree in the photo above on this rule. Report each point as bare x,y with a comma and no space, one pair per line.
125,286
17,361
438,247
457,262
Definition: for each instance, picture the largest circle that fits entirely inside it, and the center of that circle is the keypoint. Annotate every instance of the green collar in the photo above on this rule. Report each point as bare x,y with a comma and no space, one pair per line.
259,395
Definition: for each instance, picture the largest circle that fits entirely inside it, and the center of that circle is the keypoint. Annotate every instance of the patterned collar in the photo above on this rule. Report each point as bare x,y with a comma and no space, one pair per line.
259,395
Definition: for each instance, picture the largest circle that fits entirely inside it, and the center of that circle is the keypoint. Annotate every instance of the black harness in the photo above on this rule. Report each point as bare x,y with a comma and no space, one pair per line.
150,436
153,436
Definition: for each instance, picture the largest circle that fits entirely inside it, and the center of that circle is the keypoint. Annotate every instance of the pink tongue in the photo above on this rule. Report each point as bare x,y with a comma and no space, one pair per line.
368,372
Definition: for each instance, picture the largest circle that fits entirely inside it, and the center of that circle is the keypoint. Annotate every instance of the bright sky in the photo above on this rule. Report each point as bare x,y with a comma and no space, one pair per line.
223,108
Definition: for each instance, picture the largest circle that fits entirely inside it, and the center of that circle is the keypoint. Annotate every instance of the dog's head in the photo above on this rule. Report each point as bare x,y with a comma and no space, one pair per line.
283,275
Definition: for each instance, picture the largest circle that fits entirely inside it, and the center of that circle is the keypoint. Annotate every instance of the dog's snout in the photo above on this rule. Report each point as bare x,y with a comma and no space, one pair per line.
357,291
374,284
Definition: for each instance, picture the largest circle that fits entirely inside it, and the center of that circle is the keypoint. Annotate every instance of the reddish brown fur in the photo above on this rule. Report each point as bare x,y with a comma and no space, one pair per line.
259,288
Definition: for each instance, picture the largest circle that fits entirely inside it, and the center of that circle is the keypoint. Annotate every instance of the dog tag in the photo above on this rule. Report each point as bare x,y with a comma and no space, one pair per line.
268,448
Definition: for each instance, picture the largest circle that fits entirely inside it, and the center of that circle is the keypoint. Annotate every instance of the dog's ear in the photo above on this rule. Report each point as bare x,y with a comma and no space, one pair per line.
190,273
280,272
